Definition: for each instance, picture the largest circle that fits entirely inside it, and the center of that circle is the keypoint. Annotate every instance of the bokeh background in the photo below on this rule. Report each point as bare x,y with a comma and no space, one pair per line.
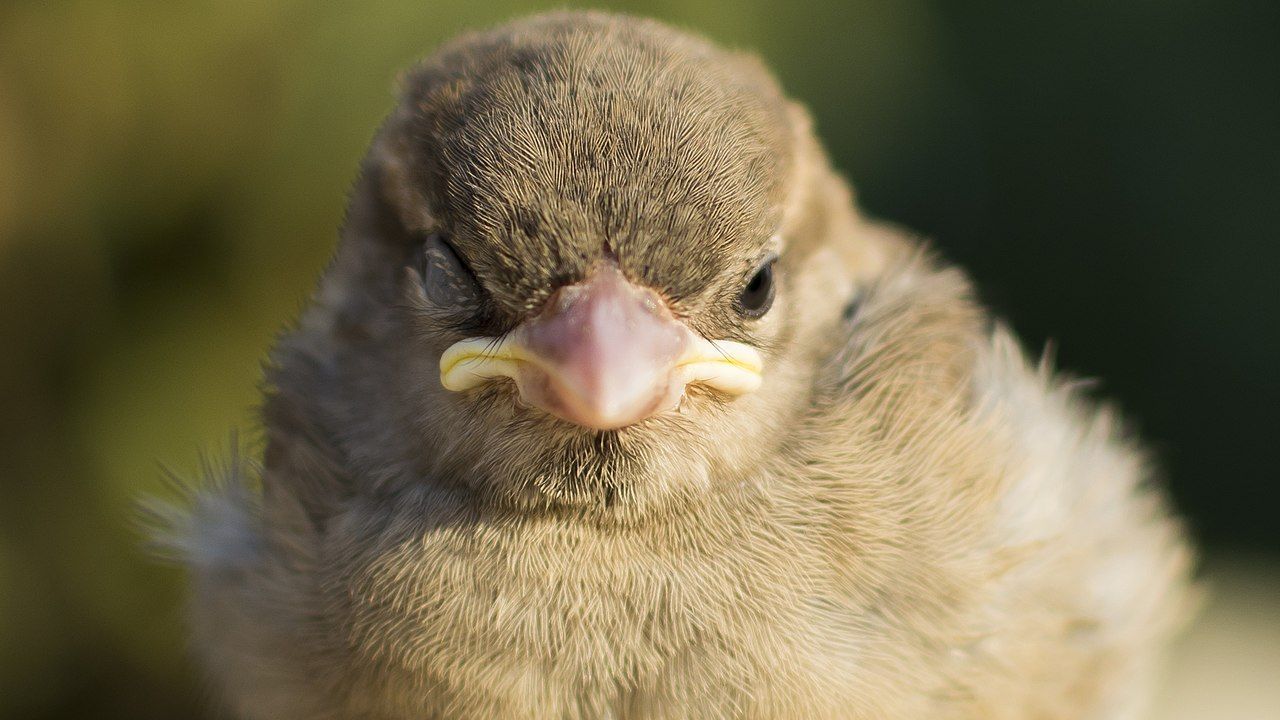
172,175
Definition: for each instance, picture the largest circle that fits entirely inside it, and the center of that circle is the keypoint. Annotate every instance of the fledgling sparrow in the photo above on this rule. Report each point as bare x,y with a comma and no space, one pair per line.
612,405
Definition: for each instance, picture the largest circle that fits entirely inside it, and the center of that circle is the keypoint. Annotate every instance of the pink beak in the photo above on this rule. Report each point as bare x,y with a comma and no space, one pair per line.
603,353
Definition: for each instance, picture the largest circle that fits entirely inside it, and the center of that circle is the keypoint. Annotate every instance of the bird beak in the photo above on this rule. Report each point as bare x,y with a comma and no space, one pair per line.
603,354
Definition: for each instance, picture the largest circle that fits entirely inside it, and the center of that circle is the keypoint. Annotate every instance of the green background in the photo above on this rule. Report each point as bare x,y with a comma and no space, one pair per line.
172,175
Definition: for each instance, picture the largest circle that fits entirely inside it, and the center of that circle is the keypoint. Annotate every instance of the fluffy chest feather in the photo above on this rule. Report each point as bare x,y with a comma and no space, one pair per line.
488,612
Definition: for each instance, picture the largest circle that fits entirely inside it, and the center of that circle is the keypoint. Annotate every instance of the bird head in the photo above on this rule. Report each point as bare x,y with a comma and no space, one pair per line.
588,265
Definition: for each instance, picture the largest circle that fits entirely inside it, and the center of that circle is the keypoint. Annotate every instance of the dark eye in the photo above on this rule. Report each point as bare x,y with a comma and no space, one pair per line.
447,281
757,296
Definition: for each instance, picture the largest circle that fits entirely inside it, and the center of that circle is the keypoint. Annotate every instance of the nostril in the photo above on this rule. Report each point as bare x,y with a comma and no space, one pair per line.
652,304
561,301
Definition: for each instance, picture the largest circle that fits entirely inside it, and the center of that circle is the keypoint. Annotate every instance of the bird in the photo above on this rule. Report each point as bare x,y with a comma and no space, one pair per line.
612,403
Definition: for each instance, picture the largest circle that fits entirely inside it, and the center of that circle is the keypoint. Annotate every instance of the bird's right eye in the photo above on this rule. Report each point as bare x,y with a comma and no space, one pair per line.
446,279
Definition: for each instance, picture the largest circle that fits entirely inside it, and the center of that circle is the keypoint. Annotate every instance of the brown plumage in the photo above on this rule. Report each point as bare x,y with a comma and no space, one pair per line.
896,517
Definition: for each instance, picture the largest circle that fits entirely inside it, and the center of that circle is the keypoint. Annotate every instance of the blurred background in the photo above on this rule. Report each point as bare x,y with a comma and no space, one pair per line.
172,175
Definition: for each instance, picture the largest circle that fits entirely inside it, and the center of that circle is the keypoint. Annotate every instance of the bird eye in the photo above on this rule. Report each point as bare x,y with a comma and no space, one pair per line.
757,297
447,281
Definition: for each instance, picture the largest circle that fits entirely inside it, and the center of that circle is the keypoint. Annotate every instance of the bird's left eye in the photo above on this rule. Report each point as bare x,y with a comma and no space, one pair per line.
448,282
757,297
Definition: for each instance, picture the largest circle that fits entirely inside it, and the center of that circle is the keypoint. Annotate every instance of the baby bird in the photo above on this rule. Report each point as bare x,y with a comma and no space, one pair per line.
612,405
